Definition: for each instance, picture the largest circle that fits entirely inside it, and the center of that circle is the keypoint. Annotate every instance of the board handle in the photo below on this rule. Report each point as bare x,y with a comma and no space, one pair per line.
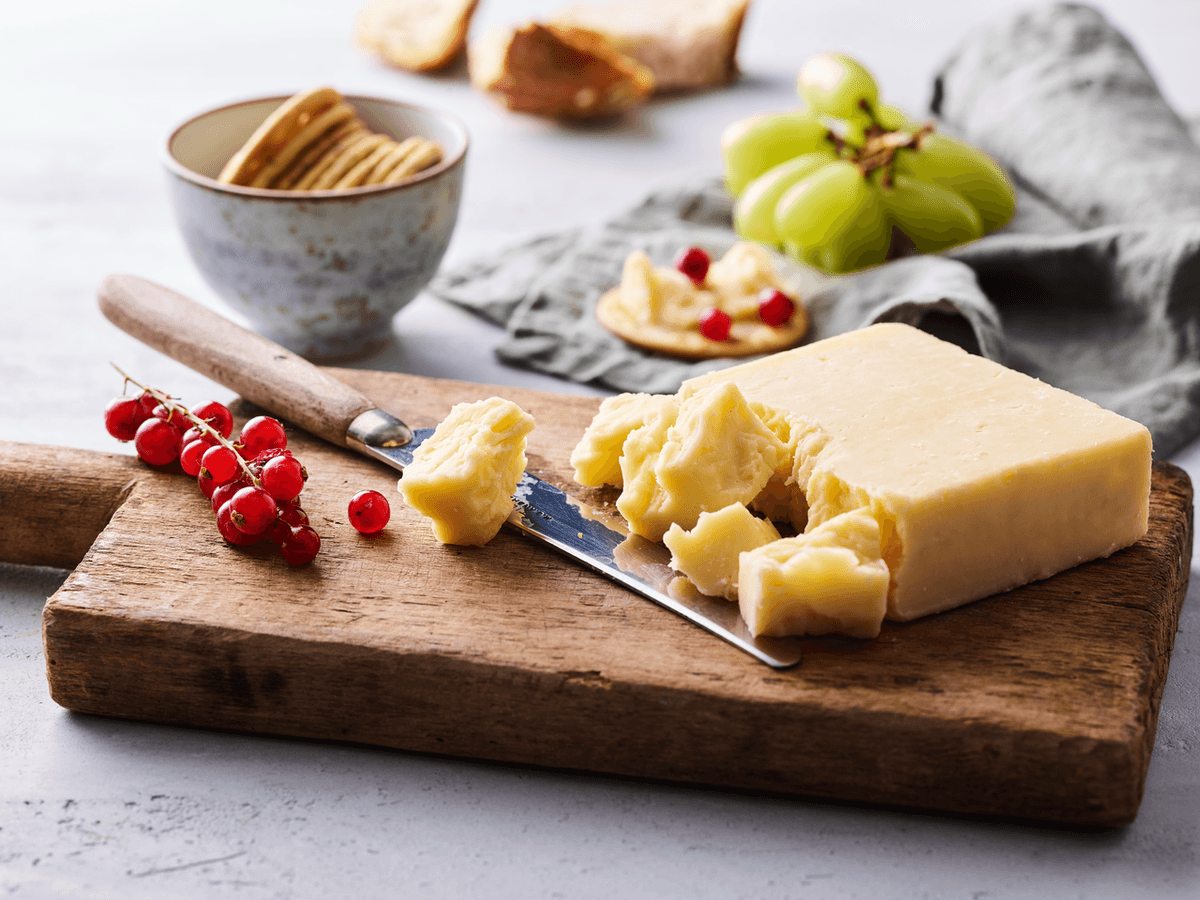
260,370
54,501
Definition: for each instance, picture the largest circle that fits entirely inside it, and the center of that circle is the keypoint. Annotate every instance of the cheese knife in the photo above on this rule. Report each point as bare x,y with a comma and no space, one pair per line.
296,390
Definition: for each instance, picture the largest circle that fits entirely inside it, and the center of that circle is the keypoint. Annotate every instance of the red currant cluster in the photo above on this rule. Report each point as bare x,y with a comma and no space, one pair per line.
775,308
254,484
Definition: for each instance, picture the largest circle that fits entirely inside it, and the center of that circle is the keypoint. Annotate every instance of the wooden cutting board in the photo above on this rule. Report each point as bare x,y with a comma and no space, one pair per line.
1041,703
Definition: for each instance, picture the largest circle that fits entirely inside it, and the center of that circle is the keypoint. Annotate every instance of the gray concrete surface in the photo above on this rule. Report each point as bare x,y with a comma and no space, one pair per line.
95,808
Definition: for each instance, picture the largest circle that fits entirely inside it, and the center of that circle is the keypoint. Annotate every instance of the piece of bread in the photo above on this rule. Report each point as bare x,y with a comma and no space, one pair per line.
417,35
687,44
562,73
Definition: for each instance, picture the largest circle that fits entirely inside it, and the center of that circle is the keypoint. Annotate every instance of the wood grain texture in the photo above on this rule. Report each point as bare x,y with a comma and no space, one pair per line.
54,501
259,369
1041,703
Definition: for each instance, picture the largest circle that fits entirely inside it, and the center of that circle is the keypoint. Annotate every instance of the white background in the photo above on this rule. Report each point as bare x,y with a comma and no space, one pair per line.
99,808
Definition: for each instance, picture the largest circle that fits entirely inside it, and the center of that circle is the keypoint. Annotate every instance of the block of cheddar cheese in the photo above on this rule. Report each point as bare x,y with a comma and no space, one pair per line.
981,478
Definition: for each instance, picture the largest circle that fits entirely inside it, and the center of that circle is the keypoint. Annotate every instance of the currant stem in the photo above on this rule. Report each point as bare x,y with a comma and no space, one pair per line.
199,423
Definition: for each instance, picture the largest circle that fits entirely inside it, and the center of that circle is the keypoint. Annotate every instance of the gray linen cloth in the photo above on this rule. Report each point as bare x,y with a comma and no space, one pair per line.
1094,286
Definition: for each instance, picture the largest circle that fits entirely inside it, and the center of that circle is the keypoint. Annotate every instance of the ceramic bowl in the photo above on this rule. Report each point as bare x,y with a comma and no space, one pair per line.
320,272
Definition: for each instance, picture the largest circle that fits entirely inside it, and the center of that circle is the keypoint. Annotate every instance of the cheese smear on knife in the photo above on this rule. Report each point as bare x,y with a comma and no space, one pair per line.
978,479
463,476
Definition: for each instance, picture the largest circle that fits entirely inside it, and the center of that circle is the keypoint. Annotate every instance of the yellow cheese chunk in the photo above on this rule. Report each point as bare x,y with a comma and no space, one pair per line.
981,478
715,453
463,476
828,580
738,277
708,553
597,456
639,297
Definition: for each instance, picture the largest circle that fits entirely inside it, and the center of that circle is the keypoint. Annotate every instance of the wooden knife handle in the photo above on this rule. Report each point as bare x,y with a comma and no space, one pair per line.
258,369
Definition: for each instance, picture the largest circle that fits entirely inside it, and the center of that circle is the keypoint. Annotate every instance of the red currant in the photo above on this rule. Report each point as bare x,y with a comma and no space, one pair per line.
174,416
290,516
301,545
222,494
693,262
148,403
283,477
715,325
217,415
208,488
259,434
291,513
230,531
189,456
157,442
252,510
369,511
195,434
220,464
123,416
775,307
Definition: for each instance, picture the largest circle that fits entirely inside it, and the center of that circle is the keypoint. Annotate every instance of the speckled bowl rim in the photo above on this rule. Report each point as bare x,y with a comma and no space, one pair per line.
178,169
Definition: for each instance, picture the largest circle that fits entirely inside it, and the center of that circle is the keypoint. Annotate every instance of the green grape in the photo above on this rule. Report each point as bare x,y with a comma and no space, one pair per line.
892,119
837,85
833,219
769,141
934,217
969,172
754,212
852,130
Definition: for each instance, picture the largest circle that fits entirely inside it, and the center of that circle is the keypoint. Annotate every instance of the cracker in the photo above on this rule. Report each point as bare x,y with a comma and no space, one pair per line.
325,162
745,338
427,153
314,152
287,121
346,159
391,160
360,170
316,127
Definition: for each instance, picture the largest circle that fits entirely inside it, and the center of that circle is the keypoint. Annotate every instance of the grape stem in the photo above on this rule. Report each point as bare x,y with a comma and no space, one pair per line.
880,148
199,423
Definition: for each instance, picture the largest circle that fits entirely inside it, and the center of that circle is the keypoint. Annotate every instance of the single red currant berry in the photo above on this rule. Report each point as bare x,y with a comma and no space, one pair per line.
208,488
157,442
693,262
174,416
220,464
775,307
122,417
259,434
369,511
222,494
715,325
290,516
301,546
148,403
252,510
217,415
195,434
283,477
291,513
189,456
230,531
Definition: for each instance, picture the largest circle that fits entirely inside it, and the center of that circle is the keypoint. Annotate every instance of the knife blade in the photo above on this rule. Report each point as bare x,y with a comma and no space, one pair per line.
296,390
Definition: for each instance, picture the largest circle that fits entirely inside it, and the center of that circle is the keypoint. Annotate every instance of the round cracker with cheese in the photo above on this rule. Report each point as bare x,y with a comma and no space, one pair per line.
746,338
660,309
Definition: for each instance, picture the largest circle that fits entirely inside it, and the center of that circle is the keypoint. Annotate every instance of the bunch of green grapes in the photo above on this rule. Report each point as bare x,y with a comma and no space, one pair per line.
832,182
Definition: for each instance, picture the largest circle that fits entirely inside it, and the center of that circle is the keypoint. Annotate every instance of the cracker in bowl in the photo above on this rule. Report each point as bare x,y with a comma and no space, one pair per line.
314,141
